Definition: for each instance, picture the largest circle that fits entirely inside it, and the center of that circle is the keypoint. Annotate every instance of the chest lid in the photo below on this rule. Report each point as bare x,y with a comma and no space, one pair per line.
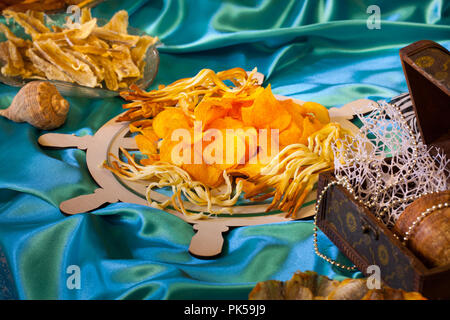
426,66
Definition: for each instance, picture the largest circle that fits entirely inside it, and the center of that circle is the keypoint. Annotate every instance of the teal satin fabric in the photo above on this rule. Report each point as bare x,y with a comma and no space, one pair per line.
312,50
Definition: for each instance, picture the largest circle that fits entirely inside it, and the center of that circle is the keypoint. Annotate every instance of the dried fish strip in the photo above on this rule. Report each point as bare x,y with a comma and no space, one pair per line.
19,42
30,24
37,14
16,62
67,63
80,33
50,70
31,72
14,54
118,23
5,54
139,51
85,16
116,37
125,68
97,69
110,76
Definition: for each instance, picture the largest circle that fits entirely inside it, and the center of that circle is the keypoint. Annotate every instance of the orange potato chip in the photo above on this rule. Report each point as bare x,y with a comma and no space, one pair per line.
247,170
183,154
238,143
210,175
210,109
168,120
225,123
319,111
290,135
207,174
295,110
150,134
266,112
310,125
165,150
235,111
254,165
145,145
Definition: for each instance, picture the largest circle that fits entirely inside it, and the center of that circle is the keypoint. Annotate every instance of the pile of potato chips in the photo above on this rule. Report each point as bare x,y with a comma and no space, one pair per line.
303,140
294,123
80,52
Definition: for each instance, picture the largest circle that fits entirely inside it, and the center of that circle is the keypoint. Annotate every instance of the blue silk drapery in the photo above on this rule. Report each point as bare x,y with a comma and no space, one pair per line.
319,51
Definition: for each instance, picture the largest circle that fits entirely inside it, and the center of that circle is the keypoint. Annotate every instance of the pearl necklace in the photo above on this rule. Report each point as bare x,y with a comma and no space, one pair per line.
372,202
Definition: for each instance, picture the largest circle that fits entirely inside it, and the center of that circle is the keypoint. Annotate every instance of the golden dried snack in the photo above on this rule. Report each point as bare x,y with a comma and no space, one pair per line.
311,286
217,133
83,53
266,112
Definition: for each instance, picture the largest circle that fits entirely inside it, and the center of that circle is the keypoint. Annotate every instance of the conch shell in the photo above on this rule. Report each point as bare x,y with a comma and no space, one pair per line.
40,104
311,286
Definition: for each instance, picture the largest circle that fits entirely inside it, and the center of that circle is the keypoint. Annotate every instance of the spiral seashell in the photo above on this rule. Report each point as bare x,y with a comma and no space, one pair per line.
40,104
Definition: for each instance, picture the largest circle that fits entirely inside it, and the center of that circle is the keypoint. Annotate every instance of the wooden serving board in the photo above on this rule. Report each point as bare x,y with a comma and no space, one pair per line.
208,240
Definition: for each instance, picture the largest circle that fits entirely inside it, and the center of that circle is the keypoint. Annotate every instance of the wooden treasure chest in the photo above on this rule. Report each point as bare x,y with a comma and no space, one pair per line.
353,228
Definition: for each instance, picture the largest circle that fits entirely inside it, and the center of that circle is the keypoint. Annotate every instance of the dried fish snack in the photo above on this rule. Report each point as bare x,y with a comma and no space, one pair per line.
83,52
49,69
78,71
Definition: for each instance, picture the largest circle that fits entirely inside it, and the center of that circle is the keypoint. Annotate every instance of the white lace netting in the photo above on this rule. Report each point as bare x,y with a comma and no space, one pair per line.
387,164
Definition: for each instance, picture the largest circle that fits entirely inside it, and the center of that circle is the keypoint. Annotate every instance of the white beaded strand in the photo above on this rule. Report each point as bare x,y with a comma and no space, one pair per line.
420,218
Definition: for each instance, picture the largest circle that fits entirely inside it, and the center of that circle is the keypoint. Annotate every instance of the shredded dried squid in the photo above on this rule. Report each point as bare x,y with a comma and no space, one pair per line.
291,175
163,174
187,93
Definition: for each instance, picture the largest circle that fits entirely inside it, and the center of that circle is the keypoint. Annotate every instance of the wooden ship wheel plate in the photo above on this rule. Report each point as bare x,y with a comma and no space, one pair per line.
208,240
